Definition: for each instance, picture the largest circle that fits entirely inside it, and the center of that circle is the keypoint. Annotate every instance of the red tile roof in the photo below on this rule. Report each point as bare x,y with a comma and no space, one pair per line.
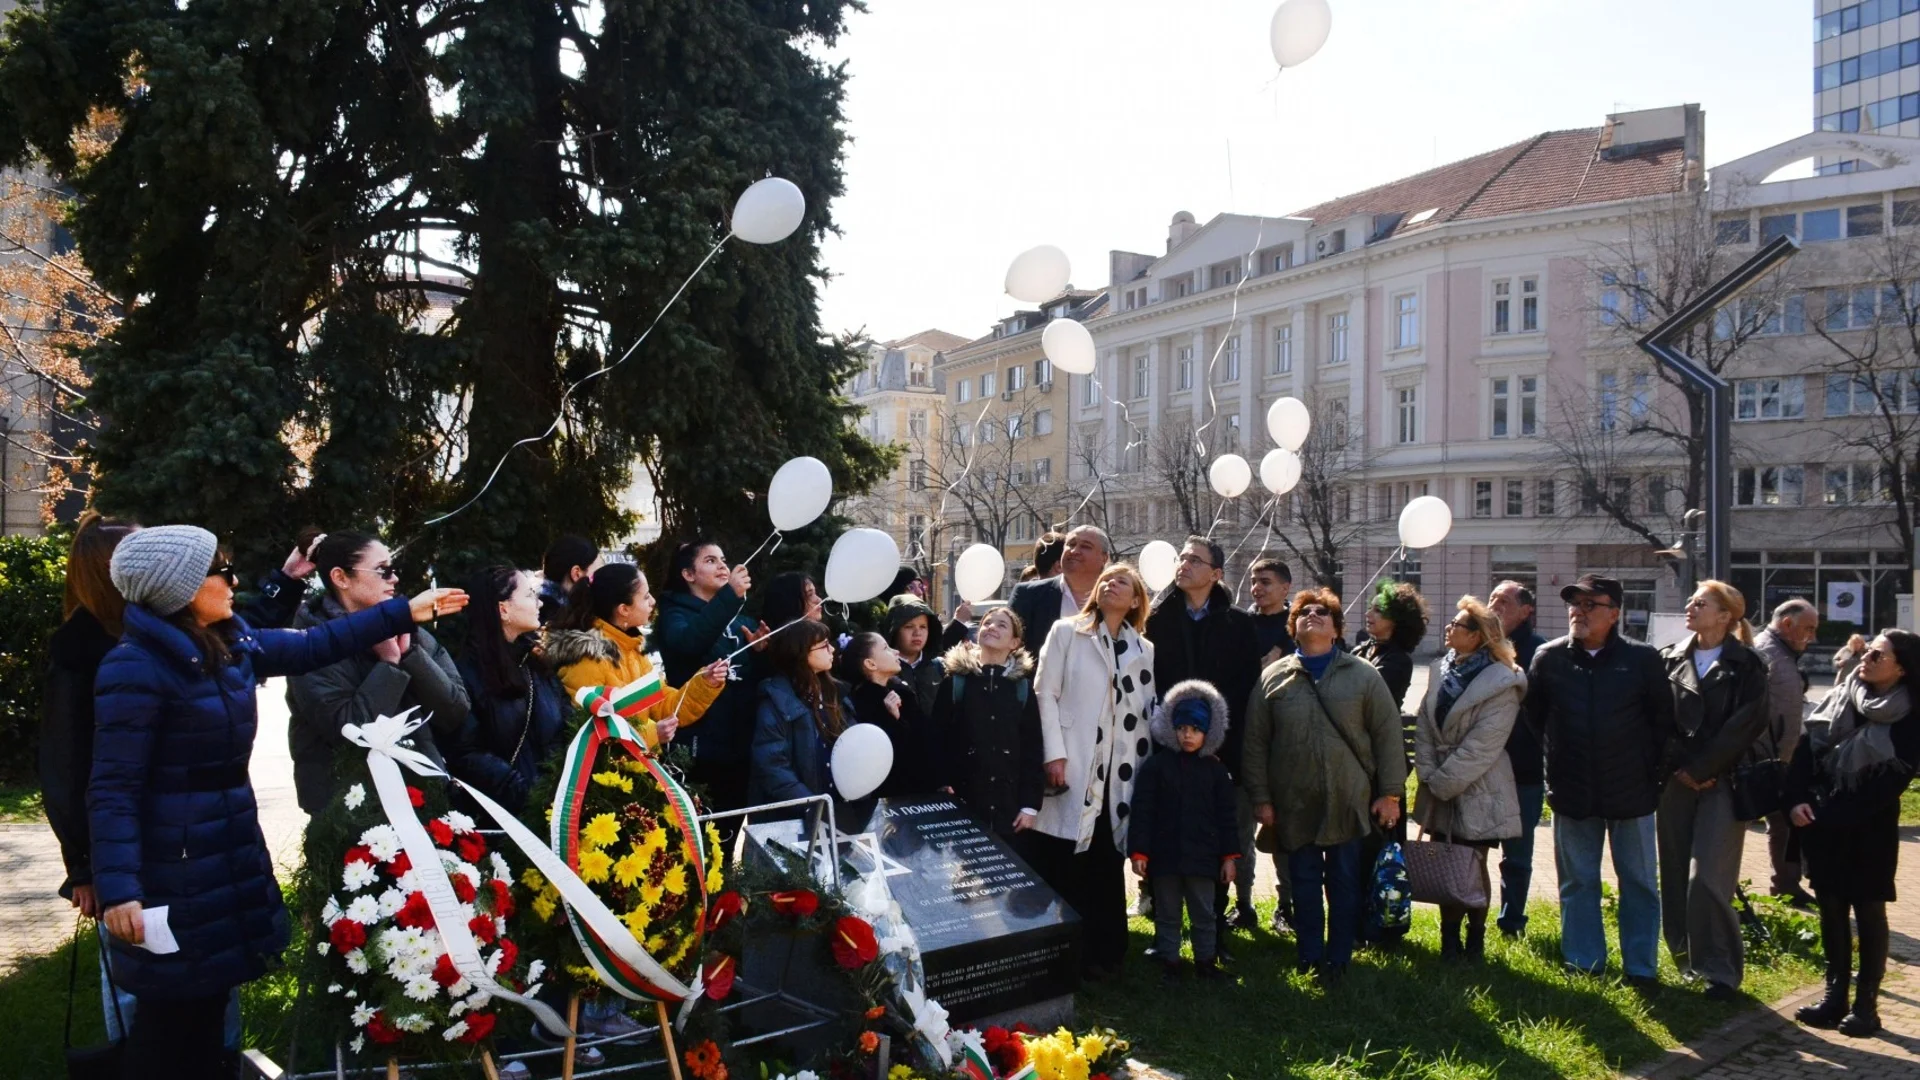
937,340
1554,169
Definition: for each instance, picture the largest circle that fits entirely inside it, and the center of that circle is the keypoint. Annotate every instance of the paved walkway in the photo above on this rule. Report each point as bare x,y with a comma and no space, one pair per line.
33,918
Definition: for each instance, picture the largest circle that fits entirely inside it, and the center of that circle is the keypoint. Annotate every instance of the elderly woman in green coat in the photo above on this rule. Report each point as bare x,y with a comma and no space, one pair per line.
1323,762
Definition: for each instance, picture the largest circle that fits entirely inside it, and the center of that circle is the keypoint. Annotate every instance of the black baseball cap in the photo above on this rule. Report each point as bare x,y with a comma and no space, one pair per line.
1593,585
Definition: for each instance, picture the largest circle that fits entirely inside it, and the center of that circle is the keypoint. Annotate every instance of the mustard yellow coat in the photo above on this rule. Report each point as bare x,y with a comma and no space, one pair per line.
609,656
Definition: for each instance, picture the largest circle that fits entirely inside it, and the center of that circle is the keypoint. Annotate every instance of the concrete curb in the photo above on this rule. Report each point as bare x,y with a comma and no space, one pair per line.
1726,1040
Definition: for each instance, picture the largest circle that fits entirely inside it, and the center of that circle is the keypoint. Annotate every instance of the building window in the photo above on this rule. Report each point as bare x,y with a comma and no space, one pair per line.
1851,309
1406,320
964,392
1543,498
1526,319
1770,399
1018,474
1854,395
988,384
1406,402
1657,493
1043,471
1283,257
1233,432
1183,368
989,431
962,433
1516,498
1483,498
917,373
1043,372
1337,338
1337,408
1864,220
1609,400
1529,304
1774,226
1091,394
1819,225
1516,406
1230,366
1770,485
1140,375
1015,426
917,423
916,533
1733,230
917,475
1621,491
1282,349
1043,422
1855,484
1906,212
1016,377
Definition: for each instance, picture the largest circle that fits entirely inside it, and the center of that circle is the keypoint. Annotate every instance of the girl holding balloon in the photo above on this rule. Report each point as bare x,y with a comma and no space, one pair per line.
801,714
700,625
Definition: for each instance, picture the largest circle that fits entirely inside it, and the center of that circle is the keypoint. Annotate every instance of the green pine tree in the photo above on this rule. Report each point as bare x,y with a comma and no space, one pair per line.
285,173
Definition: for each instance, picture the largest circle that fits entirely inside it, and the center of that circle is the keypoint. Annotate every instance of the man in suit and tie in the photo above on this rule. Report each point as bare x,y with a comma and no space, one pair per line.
1040,604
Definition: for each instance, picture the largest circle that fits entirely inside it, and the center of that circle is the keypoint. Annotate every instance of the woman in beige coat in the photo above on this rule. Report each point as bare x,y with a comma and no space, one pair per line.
1096,691
1467,793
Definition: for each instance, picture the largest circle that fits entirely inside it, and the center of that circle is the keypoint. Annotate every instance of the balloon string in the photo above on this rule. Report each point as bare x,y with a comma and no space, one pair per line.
1127,415
973,446
1266,515
567,395
729,657
1257,517
1397,552
775,538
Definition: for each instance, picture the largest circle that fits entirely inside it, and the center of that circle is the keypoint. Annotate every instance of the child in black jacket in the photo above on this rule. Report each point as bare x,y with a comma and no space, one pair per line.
1183,825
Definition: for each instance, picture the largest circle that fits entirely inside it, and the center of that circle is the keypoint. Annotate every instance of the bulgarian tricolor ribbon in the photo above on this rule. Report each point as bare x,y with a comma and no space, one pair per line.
615,955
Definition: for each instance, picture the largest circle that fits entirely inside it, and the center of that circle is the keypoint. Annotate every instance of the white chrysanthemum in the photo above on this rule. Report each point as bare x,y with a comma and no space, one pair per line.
458,1008
480,1001
356,795
364,910
448,859
382,841
458,1029
413,1022
500,868
359,1043
352,993
357,962
460,989
363,1014
330,914
470,872
407,883
466,913
421,987
535,970
391,902
358,875
323,948
457,821
333,988
500,926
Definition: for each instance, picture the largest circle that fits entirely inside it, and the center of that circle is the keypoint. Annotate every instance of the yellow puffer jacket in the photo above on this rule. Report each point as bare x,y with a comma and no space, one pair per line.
609,656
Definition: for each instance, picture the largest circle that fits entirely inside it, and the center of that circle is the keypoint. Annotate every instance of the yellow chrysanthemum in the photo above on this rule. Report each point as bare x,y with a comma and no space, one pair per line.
654,840
637,921
633,766
900,1072
650,893
1094,1047
713,835
677,880
613,780
543,907
1046,1058
531,879
679,954
1074,1067
594,866
604,829
582,972
629,868
715,882
656,944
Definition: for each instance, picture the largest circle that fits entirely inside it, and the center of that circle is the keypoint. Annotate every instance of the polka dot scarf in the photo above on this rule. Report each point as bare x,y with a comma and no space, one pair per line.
1120,741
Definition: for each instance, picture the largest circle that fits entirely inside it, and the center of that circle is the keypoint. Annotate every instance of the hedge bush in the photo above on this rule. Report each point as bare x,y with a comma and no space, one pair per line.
32,580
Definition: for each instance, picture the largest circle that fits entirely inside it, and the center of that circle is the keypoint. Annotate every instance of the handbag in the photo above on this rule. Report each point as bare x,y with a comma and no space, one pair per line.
1448,874
1391,908
91,1062
1759,788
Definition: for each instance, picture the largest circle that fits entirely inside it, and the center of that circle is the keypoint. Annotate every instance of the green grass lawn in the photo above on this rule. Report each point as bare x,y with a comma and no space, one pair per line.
20,803
1910,806
1398,1016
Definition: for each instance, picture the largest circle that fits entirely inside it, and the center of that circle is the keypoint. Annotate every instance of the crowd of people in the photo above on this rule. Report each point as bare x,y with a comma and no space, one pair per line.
1089,722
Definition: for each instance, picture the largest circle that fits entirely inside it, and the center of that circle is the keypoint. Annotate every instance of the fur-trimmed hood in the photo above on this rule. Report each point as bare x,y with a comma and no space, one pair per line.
964,659
565,648
1161,726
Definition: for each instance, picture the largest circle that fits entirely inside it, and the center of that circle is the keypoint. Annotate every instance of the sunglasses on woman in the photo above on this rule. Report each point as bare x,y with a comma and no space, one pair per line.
225,572
383,572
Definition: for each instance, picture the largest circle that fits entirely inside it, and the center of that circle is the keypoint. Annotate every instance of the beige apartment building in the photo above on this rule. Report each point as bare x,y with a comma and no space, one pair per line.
899,395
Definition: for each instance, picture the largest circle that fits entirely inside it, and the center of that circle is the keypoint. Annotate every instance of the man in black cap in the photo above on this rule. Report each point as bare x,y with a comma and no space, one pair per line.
1602,706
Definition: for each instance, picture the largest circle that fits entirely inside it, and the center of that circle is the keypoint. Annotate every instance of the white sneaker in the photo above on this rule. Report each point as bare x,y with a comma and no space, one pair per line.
515,1070
612,1026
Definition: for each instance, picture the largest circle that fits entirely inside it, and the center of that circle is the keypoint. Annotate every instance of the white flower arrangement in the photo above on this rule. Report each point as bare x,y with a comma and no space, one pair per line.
356,795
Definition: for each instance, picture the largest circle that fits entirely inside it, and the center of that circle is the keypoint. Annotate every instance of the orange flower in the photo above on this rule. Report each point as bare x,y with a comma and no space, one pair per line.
869,1042
876,1012
704,1060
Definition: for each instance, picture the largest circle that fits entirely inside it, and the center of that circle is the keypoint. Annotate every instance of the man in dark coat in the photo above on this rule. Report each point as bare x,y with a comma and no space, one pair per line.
1781,643
1197,633
1602,706
1040,604
1512,604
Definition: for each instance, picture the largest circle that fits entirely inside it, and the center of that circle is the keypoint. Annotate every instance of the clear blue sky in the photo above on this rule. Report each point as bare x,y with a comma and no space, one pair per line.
983,127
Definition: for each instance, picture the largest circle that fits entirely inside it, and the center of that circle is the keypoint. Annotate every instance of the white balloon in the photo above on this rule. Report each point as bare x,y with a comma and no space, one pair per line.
862,758
1068,346
1289,423
1425,522
1280,470
799,493
1038,274
1298,30
1230,475
1158,561
769,211
861,566
979,573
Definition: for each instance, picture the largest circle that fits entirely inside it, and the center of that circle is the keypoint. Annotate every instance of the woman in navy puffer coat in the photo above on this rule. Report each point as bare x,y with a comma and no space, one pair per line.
174,820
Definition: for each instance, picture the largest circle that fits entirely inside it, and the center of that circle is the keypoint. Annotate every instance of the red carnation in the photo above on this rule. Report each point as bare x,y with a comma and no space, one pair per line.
444,972
502,898
399,864
718,976
415,797
470,847
380,1031
479,1026
462,888
416,913
441,832
509,955
854,946
359,853
723,909
1008,1053
347,935
798,903
483,928
1024,1028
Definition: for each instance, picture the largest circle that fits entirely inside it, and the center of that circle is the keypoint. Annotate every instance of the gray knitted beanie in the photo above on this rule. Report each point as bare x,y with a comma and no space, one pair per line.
161,568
